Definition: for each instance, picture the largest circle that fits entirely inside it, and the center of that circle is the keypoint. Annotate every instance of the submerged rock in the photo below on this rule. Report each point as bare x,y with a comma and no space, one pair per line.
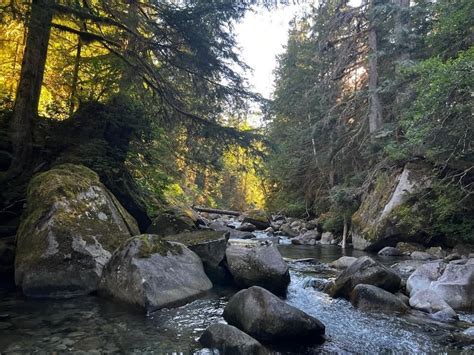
210,246
230,340
71,227
364,271
152,273
267,318
255,263
372,298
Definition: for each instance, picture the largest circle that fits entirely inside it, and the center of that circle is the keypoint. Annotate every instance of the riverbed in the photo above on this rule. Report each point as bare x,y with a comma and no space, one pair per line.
91,323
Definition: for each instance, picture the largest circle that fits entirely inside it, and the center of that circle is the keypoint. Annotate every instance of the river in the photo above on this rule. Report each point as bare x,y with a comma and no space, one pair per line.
91,324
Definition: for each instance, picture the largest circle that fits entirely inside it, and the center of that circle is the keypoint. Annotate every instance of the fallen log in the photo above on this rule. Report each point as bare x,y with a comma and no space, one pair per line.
216,211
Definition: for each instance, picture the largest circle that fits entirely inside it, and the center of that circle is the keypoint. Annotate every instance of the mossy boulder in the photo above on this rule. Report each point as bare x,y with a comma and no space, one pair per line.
388,214
174,220
258,218
210,246
153,273
70,229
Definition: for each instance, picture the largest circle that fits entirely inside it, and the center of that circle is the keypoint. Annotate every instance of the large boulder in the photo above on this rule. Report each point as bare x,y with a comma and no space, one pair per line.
456,286
428,301
387,215
372,298
70,229
287,230
327,238
255,263
230,340
233,233
267,318
364,271
423,276
174,220
308,238
258,218
390,251
210,246
152,273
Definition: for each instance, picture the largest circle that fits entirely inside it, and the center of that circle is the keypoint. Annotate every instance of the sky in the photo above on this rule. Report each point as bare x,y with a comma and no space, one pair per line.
261,36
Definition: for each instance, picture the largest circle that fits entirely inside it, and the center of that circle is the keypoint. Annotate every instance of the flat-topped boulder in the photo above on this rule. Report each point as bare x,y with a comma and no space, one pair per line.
267,318
364,270
152,273
255,263
230,340
70,229
308,238
210,246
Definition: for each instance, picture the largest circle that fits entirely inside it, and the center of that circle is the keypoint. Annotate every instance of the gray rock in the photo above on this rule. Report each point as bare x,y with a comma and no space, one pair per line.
230,340
469,332
372,298
408,248
423,276
456,286
247,227
255,263
71,227
421,255
390,251
233,233
364,271
327,238
343,262
308,238
174,220
407,267
436,252
152,274
402,297
287,230
452,256
258,218
267,318
428,301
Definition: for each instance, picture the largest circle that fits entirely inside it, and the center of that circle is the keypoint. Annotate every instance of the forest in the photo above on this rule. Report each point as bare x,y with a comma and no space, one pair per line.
140,114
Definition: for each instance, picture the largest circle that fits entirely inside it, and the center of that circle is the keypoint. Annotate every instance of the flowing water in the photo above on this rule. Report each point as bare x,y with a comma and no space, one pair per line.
91,323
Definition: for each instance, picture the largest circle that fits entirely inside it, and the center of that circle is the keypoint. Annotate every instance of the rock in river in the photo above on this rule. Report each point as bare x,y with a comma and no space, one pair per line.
69,231
210,246
267,318
255,263
230,340
372,298
364,271
152,273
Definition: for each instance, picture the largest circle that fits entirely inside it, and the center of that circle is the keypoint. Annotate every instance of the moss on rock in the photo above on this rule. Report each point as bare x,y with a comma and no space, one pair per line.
150,244
194,238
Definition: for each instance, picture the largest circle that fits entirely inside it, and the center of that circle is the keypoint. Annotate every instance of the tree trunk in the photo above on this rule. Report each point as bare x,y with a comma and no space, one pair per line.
29,88
128,75
375,114
344,233
75,78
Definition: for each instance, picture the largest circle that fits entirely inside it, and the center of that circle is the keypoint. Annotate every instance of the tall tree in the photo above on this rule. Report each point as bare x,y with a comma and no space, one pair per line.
29,88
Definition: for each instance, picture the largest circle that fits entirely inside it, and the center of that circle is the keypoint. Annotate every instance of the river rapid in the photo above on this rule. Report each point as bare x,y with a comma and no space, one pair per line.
91,324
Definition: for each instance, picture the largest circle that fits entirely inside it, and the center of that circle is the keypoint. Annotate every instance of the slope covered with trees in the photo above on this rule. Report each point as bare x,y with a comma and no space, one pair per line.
364,90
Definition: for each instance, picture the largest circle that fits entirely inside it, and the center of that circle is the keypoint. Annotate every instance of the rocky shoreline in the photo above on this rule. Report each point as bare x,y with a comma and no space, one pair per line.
76,239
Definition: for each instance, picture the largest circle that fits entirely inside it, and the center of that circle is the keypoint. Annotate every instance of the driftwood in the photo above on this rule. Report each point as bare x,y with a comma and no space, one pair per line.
216,211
